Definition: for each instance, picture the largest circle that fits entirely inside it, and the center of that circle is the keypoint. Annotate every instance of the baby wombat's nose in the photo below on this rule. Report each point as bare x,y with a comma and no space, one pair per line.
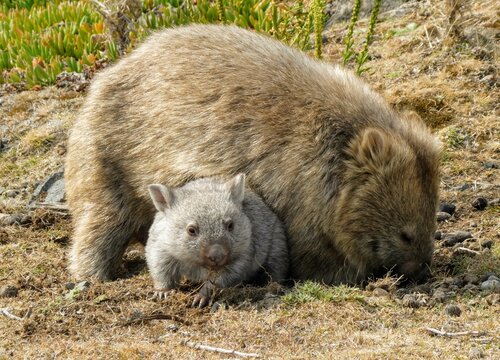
415,271
216,256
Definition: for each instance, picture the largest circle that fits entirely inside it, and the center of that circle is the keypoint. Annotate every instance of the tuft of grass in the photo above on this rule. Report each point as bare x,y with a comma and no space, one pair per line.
312,291
363,56
348,52
454,138
317,9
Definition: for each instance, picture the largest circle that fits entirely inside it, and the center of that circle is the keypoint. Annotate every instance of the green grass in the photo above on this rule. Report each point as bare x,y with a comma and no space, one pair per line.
311,291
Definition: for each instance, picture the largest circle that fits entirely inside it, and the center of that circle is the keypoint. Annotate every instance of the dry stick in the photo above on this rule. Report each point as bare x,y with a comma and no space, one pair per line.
450,334
465,250
219,350
5,312
156,317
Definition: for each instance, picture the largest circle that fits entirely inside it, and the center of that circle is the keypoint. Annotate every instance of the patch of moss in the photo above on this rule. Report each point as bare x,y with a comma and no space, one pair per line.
311,291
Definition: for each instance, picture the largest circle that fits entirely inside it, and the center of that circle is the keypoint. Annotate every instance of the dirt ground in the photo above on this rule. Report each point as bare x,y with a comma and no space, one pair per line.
428,57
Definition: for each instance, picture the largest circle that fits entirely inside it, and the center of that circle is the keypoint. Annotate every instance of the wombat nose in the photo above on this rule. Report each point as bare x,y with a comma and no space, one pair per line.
216,256
415,271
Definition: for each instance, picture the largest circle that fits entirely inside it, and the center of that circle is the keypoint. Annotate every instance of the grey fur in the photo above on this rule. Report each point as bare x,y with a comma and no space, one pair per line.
256,242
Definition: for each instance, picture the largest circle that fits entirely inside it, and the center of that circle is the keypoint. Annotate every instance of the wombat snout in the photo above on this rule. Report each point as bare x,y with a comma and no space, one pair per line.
215,256
415,271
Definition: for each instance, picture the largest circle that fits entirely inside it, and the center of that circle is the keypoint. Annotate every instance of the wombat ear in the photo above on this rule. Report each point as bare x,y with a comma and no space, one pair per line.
162,196
237,187
374,146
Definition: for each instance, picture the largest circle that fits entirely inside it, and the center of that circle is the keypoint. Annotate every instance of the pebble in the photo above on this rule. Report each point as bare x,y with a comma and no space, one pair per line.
438,235
456,237
442,216
380,292
491,165
480,203
11,193
487,275
475,353
453,310
415,300
487,244
439,295
8,291
8,220
492,284
447,208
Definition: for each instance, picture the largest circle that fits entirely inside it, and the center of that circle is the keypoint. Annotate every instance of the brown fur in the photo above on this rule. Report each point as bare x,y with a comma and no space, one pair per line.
355,184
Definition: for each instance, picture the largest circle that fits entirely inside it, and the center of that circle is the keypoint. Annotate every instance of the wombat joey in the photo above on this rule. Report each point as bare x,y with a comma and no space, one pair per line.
213,232
354,182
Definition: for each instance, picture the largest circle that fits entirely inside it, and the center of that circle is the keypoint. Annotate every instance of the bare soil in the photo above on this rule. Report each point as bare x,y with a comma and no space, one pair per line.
429,57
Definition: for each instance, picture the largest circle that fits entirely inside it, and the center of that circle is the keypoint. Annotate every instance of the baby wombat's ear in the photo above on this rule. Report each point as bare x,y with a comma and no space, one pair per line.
237,187
162,196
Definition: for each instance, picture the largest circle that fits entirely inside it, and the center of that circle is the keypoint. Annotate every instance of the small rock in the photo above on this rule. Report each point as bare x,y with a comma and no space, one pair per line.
480,203
439,295
8,220
69,285
453,310
471,279
490,285
442,216
487,244
172,328
380,292
463,187
456,237
9,291
12,193
491,165
438,235
487,275
415,300
216,306
475,353
447,208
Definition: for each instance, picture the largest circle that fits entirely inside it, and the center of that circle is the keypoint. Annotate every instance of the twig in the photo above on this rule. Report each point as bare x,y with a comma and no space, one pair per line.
219,350
63,208
450,334
156,317
5,312
468,251
428,37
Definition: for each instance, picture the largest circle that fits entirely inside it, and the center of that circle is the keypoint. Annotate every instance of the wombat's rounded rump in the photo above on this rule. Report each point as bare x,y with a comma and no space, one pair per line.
354,183
215,232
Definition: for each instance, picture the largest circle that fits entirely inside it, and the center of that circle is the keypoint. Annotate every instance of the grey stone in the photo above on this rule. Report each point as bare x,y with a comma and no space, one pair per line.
51,190
380,292
490,285
442,216
453,310
12,193
8,291
451,239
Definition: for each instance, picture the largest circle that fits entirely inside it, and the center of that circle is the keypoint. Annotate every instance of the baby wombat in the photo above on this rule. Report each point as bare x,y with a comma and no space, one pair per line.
355,183
215,231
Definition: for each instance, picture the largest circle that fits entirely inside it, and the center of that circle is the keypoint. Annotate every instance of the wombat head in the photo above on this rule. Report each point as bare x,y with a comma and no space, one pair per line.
386,210
205,224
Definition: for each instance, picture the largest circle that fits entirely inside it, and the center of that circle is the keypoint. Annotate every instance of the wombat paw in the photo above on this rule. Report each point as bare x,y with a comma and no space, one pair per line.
162,294
200,301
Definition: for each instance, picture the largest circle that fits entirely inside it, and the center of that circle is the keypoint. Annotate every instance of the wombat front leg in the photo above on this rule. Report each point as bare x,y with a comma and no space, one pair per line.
99,242
166,276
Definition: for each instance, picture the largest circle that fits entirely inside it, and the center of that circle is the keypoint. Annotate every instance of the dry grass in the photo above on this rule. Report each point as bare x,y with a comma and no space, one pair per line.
447,76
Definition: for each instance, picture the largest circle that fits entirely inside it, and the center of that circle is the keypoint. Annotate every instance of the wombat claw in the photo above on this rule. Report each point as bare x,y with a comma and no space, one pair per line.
200,301
162,294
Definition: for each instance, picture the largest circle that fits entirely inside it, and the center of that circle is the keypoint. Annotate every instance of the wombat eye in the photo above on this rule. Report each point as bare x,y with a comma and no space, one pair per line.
406,238
229,225
192,230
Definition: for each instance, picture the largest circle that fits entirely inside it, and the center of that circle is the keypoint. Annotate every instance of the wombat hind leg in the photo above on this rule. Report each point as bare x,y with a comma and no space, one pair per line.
98,245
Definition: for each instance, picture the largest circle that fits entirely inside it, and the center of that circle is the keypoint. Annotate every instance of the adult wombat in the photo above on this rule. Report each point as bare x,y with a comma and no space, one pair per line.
355,184
215,231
